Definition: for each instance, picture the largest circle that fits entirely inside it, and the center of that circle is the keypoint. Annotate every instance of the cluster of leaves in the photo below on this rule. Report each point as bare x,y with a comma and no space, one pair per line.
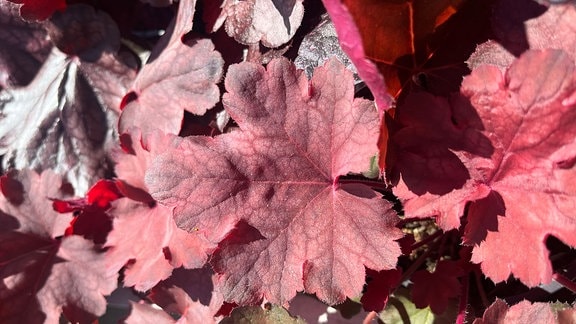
412,157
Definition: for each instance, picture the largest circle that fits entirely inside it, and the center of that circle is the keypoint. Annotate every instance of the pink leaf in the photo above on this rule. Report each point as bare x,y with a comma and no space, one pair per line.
44,276
271,22
517,195
180,75
523,312
276,182
166,246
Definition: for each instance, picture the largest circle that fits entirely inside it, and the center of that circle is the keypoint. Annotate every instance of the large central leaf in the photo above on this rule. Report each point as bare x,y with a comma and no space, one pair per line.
272,187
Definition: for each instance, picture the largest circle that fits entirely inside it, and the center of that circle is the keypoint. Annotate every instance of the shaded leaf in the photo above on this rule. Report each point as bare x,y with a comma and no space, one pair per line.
418,43
517,197
42,275
23,47
380,285
255,314
61,120
437,288
39,9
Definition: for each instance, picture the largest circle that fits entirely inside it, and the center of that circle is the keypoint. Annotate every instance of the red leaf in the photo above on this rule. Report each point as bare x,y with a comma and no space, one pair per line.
277,178
180,75
92,220
521,192
164,248
39,9
44,276
270,22
420,42
437,288
380,285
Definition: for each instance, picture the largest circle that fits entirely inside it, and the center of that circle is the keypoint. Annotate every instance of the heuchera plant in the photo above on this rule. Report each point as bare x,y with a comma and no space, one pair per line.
167,161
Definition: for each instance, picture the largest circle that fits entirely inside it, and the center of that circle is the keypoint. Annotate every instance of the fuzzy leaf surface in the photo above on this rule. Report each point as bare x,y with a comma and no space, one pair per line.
166,246
523,312
517,195
271,22
43,275
272,187
180,75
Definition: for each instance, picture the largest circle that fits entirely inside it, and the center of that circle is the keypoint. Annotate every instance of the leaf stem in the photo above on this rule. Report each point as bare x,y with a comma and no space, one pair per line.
481,291
564,281
428,239
461,318
376,184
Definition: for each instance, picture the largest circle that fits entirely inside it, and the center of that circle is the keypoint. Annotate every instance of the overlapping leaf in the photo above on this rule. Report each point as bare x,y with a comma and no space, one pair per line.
166,246
188,293
180,75
23,47
42,274
276,184
517,181
416,42
39,9
62,119
522,25
526,312
271,22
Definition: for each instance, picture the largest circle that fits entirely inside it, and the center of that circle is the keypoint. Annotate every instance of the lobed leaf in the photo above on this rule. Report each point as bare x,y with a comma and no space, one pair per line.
517,197
43,275
272,188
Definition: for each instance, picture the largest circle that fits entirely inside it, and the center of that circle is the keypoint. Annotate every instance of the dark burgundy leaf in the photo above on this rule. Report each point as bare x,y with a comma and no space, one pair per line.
84,32
437,288
23,47
351,43
39,9
380,285
279,176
